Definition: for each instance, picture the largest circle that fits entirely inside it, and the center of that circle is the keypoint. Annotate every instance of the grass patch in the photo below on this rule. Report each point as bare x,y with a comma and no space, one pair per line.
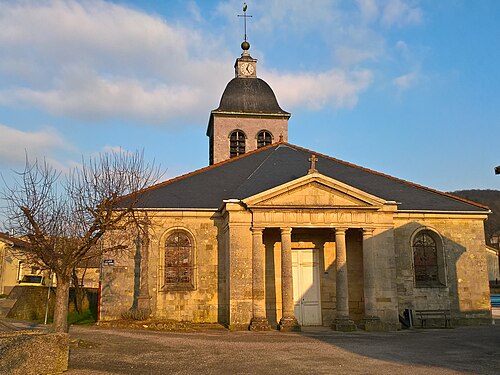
85,318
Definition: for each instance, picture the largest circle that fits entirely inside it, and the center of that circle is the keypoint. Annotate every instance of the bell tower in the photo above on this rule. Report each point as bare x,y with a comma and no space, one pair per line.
249,116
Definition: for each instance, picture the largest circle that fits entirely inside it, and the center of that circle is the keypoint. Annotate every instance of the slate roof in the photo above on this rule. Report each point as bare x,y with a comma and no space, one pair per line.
279,163
249,95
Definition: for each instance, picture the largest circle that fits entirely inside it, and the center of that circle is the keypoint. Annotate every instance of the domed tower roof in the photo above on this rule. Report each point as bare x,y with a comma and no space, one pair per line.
249,95
248,116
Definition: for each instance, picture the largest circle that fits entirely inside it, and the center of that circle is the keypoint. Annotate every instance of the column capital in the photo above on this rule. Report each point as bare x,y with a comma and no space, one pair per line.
368,232
286,230
257,230
341,229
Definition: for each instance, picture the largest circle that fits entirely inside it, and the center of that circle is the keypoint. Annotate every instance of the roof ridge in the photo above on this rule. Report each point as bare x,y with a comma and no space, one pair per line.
389,176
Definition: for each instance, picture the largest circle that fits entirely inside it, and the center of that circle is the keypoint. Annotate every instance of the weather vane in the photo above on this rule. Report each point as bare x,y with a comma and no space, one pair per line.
245,16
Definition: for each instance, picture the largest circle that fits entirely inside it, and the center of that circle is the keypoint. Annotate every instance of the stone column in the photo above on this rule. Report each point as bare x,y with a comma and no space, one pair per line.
259,321
371,320
342,321
144,299
288,322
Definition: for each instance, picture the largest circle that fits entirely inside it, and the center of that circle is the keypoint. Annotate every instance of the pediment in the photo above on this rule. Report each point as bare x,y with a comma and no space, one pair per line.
314,191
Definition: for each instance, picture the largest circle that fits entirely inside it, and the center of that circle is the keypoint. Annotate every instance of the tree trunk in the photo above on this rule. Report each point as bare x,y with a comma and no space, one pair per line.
62,300
79,294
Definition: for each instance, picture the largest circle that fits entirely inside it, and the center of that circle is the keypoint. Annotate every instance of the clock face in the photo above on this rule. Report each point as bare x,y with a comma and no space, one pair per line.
247,69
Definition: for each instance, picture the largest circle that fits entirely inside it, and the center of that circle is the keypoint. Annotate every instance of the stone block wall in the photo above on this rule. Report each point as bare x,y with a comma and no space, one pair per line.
197,305
466,291
201,303
239,266
385,265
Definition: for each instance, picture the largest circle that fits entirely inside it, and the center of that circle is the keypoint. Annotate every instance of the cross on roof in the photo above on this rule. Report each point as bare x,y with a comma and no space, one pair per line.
313,159
245,16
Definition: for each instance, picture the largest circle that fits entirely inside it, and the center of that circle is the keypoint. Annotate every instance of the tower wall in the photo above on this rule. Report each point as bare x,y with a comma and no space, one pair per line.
250,125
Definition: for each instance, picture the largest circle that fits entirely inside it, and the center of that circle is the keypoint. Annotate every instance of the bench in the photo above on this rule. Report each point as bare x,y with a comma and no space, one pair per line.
423,315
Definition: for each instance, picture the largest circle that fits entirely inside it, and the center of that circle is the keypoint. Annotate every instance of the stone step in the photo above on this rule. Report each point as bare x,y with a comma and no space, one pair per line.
5,306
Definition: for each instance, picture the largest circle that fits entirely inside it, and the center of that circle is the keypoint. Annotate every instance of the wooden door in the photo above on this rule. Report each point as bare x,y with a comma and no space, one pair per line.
306,287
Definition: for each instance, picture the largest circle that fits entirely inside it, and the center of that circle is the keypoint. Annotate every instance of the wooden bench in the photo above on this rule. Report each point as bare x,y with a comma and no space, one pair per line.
423,315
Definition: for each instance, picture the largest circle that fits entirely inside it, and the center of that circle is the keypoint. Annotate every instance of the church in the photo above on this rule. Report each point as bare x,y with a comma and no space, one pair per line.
271,235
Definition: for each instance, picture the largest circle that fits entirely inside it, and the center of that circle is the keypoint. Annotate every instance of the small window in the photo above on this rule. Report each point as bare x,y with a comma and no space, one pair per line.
428,265
179,261
264,138
236,143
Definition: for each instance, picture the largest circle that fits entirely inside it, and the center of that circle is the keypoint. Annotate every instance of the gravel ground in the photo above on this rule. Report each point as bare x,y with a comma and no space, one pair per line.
315,351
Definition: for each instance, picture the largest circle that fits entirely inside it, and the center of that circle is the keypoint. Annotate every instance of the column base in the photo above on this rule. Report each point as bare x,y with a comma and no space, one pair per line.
289,324
344,325
144,303
373,324
259,324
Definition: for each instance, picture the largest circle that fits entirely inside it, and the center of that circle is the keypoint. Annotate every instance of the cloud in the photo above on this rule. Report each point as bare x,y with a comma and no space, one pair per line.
334,88
97,60
369,10
406,81
400,13
14,144
85,95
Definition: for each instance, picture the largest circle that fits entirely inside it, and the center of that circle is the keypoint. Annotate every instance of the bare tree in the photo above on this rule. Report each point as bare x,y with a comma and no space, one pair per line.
64,217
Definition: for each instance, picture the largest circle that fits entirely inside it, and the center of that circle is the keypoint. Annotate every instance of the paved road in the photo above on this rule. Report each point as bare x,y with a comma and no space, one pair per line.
316,351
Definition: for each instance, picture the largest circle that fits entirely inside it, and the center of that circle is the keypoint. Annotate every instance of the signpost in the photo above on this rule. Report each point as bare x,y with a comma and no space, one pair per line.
108,262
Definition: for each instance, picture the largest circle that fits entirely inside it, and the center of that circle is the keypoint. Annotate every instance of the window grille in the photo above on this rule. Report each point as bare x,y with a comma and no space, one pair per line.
425,253
264,138
236,143
178,261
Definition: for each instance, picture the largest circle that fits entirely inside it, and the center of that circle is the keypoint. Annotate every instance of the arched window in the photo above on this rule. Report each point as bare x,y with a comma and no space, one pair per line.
428,260
179,260
264,138
236,143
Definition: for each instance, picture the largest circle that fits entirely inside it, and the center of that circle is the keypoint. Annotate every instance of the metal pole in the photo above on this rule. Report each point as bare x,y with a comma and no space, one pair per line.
48,298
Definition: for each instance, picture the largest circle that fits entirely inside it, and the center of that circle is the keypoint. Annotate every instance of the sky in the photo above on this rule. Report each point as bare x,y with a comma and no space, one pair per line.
405,87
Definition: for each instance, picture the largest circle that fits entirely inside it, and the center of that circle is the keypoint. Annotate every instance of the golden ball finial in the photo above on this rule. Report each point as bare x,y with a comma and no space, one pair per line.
245,46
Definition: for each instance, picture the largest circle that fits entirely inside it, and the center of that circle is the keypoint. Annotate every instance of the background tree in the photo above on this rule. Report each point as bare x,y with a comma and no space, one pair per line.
64,217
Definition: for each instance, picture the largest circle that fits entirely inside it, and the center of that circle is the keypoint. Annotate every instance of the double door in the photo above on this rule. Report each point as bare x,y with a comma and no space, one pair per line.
306,286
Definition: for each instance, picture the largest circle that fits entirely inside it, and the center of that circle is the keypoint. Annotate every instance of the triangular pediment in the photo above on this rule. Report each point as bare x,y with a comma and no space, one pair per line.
314,191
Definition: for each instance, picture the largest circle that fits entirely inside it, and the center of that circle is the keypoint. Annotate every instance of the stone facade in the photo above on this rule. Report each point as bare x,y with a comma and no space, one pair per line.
121,282
465,291
246,263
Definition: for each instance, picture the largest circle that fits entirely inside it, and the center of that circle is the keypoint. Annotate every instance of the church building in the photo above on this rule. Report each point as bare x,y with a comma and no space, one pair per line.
271,235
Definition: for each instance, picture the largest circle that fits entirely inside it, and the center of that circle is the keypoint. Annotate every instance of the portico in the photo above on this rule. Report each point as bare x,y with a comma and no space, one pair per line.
305,233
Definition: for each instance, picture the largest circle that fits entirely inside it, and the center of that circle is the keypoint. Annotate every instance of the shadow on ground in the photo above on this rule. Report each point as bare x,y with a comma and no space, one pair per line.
470,349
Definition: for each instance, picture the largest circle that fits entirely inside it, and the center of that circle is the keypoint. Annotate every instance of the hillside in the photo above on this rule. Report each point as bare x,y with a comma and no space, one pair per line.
490,198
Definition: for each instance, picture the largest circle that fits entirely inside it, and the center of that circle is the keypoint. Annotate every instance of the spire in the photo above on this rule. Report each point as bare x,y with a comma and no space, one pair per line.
245,46
245,66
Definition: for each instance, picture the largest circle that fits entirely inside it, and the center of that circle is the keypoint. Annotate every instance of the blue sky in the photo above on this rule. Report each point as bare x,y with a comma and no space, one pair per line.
407,88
